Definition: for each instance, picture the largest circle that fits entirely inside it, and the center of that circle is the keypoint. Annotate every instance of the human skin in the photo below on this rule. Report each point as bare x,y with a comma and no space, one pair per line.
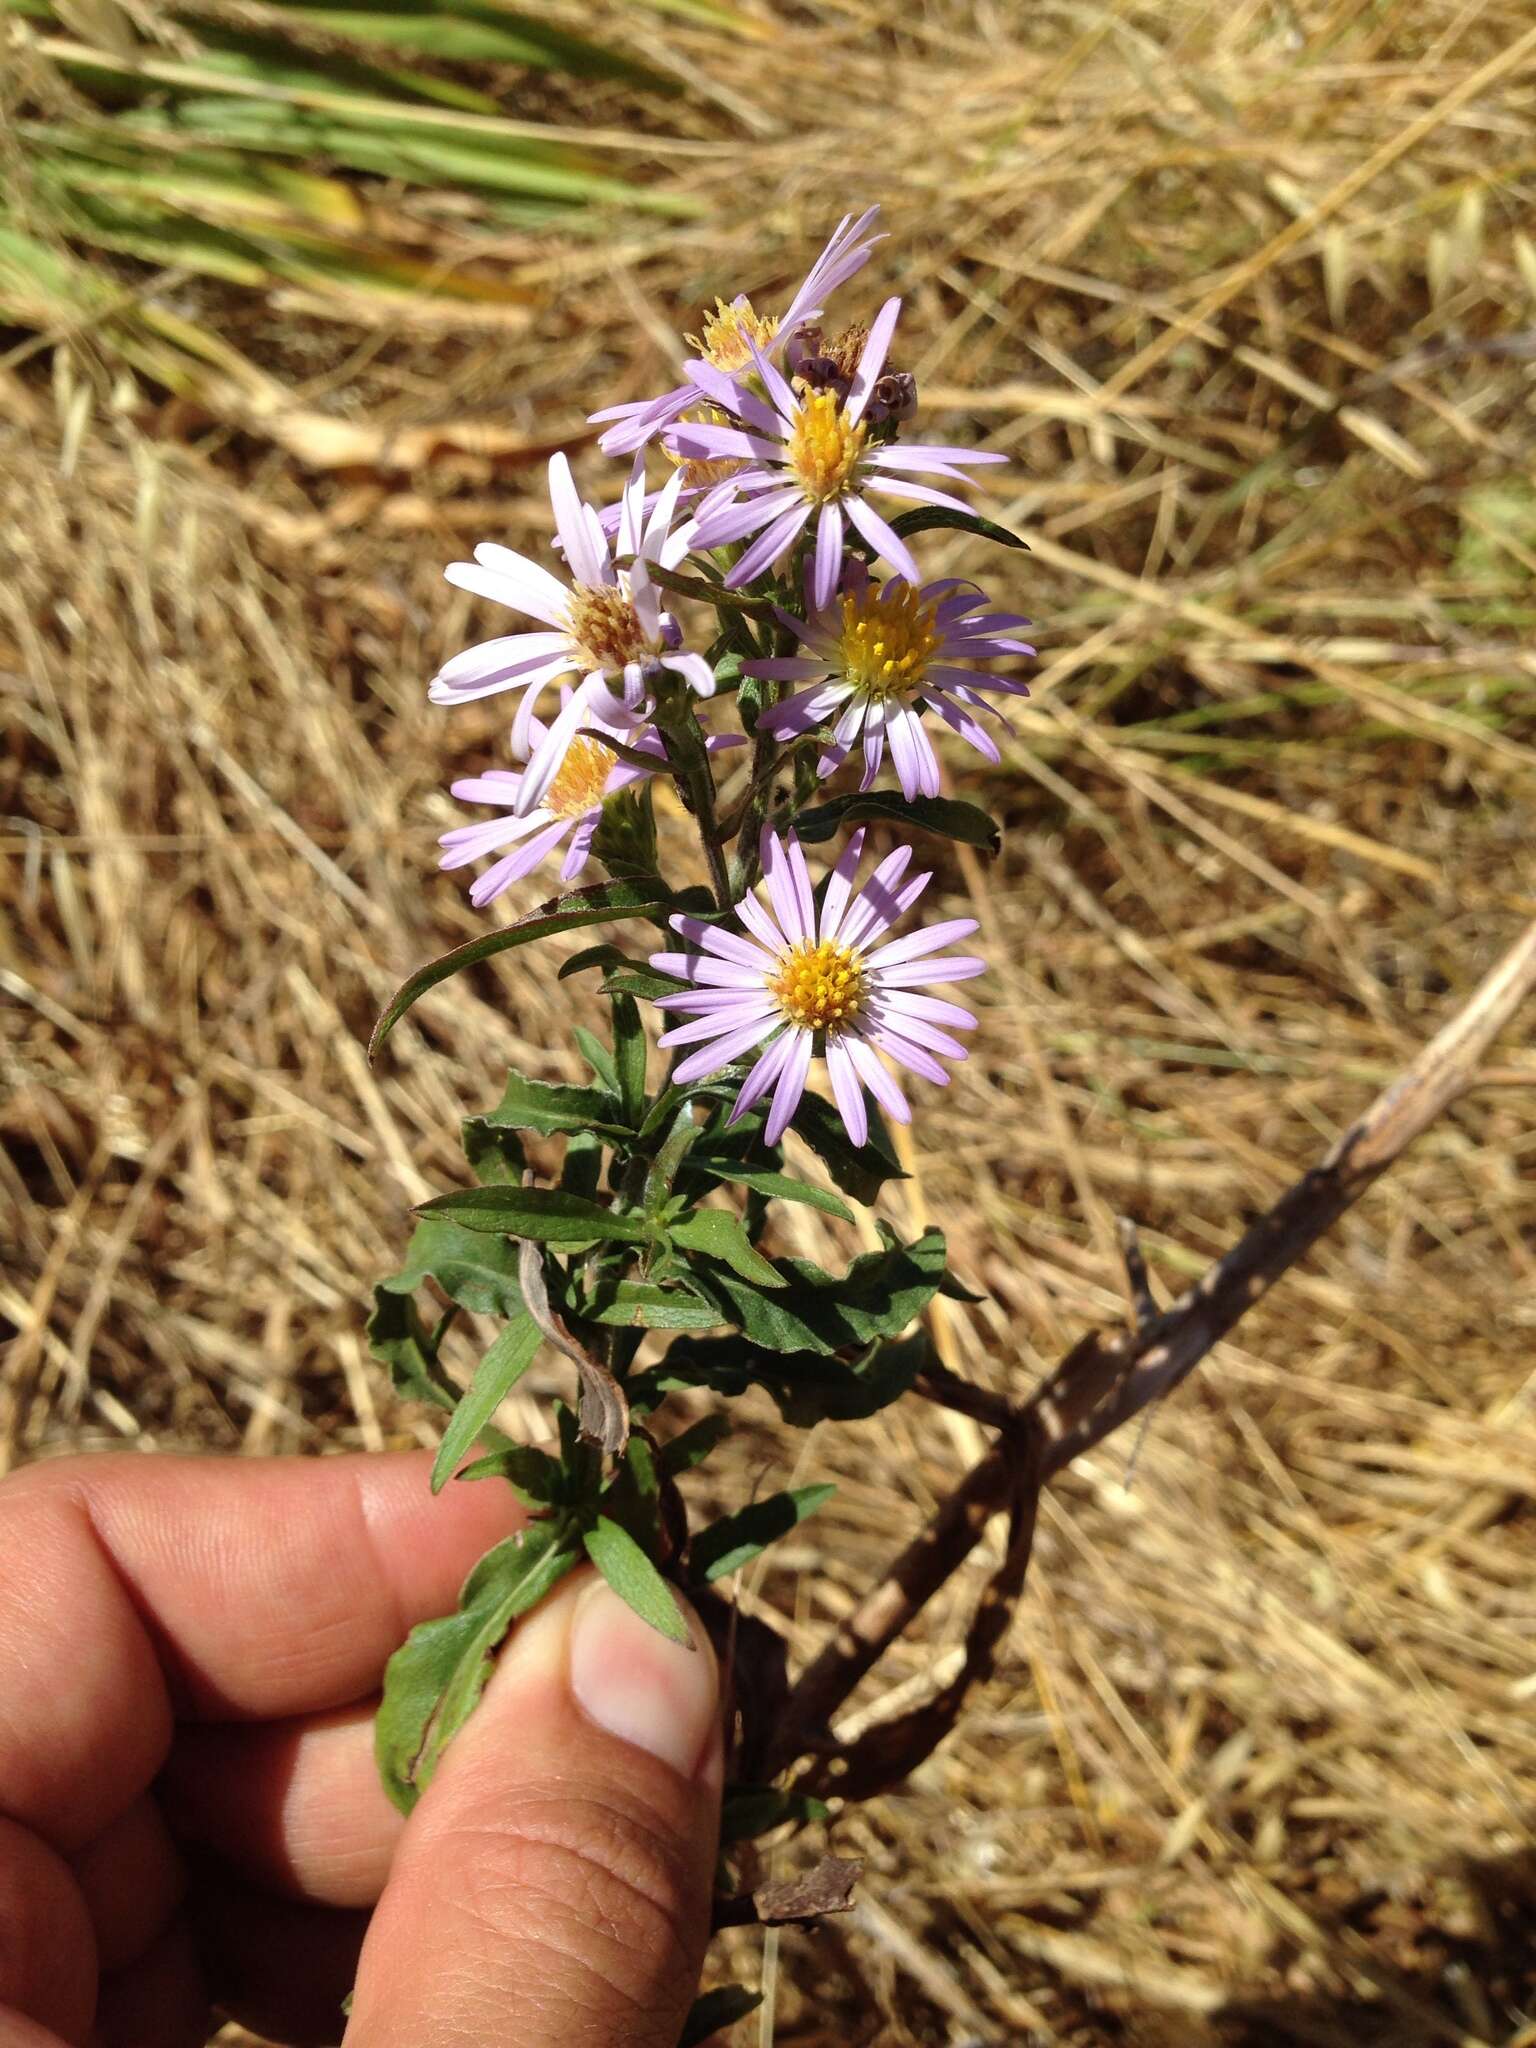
190,1819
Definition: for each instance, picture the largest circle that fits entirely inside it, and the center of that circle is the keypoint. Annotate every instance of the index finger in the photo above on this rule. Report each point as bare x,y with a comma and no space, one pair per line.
136,1590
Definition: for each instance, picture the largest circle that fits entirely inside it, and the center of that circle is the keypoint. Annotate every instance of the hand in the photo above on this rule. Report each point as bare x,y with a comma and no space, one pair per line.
189,1813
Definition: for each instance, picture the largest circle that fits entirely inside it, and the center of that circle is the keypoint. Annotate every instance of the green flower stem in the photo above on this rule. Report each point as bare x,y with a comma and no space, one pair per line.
683,738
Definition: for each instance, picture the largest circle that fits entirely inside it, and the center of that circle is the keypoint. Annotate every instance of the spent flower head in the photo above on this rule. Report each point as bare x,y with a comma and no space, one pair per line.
804,982
880,655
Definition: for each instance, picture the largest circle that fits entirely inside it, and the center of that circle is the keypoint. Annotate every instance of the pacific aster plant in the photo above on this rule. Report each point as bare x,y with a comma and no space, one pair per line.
747,595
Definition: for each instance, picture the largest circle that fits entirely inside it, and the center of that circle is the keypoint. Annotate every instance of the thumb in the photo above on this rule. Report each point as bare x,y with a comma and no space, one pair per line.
552,1888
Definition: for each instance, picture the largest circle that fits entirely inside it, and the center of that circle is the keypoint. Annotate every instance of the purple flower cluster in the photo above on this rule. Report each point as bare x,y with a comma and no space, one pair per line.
779,438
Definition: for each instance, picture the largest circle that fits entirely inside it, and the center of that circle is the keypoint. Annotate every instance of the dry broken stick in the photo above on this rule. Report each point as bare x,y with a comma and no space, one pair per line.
1107,1377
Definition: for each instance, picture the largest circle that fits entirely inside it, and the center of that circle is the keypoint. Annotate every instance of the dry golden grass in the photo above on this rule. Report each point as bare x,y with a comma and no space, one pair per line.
1248,295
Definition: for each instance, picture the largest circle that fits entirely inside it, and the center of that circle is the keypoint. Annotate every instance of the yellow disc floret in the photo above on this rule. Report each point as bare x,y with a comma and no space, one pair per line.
703,472
606,628
819,986
580,778
724,340
887,640
824,448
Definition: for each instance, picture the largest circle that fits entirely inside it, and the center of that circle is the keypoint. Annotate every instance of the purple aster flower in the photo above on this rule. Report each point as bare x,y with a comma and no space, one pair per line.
882,654
610,625
587,773
808,455
830,982
731,330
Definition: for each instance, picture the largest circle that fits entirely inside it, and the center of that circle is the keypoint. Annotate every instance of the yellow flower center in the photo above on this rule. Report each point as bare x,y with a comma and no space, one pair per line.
819,986
703,472
888,638
724,340
824,449
605,627
579,780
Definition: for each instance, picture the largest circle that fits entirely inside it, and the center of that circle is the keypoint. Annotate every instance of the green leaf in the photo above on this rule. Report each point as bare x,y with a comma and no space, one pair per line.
497,1373
859,1170
690,1447
763,1180
925,518
808,1386
720,1235
645,982
879,1294
725,1546
476,1272
547,1215
716,2010
551,1107
663,1110
635,1579
633,1499
433,1681
601,903
820,1311
537,1479
399,1339
947,816
629,1053
752,1810
581,1170
597,1057
603,955
645,1305
495,1155
956,1290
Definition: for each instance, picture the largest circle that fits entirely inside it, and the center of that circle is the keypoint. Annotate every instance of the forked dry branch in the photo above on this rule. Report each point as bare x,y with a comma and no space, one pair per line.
1106,1378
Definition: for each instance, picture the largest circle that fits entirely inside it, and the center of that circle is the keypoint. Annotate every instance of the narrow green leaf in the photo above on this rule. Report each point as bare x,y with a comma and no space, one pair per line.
400,1340
581,1170
725,1546
640,981
629,1052
602,903
534,1476
602,955
497,1373
808,1386
719,1235
763,1180
690,1447
551,1107
859,1170
635,1579
476,1272
925,518
645,1305
879,1294
947,816
463,32
598,1058
663,1110
433,1681
547,1215
495,1156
